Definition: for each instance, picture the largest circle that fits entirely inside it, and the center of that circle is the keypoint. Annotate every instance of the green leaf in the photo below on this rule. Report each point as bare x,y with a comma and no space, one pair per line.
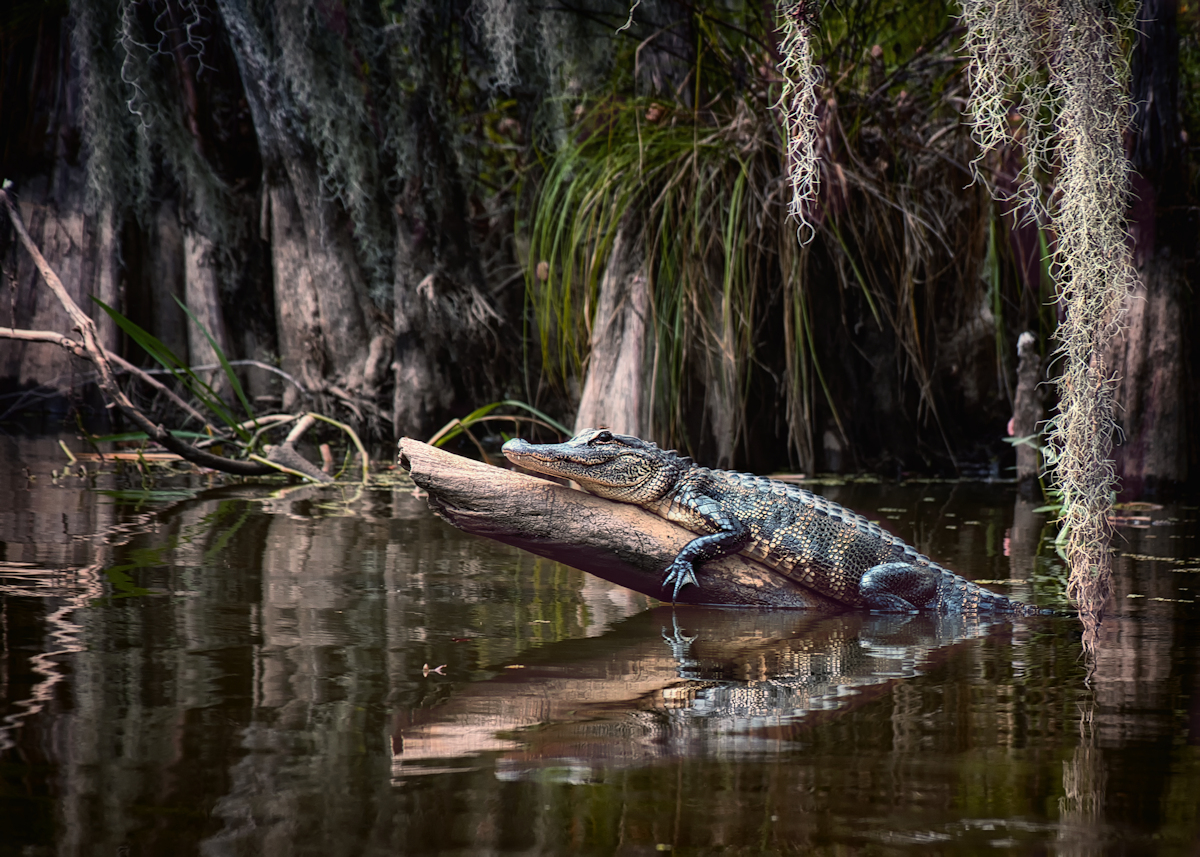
195,385
228,370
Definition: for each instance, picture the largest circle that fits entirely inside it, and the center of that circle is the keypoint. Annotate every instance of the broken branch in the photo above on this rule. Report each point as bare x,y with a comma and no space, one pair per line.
96,353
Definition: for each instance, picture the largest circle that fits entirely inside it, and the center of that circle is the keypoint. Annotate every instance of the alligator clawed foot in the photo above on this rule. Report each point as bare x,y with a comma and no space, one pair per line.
680,573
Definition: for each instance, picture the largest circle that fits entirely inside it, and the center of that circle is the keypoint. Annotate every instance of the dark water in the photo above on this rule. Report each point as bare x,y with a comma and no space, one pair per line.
328,672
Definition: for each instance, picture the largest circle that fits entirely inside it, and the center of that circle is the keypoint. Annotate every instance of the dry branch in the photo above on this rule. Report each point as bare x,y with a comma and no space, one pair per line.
621,543
95,352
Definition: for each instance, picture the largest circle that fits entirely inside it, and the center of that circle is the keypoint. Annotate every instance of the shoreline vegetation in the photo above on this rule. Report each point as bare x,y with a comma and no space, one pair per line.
764,235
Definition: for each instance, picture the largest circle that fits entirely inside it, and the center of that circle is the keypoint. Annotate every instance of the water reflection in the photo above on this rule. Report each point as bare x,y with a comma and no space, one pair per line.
718,682
258,672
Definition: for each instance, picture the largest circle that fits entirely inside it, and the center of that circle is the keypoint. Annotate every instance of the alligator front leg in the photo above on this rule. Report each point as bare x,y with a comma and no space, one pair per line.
729,539
898,587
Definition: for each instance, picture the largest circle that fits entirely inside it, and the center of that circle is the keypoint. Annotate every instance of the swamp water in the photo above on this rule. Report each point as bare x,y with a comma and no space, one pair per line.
294,671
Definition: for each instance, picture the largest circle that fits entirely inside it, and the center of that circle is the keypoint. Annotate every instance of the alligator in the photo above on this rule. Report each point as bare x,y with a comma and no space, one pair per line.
801,535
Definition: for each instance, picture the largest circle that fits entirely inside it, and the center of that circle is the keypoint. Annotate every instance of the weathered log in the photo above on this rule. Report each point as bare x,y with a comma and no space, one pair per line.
618,542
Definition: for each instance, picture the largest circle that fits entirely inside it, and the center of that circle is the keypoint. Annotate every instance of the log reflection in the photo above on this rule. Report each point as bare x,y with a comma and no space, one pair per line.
713,681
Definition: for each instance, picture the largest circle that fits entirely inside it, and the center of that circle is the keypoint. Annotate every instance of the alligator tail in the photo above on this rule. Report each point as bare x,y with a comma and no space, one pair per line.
958,595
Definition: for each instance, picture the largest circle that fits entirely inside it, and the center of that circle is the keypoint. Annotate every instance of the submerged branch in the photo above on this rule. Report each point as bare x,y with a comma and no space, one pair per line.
615,541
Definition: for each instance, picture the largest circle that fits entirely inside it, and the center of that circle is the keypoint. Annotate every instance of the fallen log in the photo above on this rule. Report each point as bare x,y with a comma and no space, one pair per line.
615,541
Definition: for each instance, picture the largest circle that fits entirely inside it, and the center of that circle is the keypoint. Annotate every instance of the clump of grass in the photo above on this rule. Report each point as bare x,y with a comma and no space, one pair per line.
707,190
886,245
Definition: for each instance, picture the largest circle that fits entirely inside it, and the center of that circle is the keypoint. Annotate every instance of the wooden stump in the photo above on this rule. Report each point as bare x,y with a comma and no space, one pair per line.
618,542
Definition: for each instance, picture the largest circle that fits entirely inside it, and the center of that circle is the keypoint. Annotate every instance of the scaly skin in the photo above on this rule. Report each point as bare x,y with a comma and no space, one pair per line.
799,534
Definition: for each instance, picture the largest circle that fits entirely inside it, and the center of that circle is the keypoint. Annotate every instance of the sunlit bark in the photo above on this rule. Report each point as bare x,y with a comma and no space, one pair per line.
615,393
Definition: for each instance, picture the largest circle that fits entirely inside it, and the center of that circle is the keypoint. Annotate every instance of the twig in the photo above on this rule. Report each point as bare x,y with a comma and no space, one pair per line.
265,424
354,437
77,348
50,336
160,386
99,356
299,429
255,363
273,465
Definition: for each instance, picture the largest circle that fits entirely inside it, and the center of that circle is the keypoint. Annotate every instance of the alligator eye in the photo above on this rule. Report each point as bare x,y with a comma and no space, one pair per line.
604,436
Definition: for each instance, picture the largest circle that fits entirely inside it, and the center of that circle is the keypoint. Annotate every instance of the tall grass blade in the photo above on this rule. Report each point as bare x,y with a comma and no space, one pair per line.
192,382
230,375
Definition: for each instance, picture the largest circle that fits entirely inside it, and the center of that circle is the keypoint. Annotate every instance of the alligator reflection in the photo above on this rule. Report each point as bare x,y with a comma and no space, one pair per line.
726,682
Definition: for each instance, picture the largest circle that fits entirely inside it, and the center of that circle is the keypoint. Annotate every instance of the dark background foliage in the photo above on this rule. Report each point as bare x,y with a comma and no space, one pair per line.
365,196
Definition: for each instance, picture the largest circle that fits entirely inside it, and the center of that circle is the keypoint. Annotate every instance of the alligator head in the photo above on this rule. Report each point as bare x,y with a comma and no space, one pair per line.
614,466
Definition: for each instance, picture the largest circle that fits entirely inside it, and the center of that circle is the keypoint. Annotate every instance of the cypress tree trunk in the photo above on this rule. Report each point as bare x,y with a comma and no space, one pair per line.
446,352
1149,360
423,389
162,280
1151,355
297,308
614,386
54,212
202,294
101,257
326,323
83,246
1027,412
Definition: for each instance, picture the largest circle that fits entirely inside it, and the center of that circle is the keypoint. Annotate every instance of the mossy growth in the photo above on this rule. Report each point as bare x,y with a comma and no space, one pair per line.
1052,79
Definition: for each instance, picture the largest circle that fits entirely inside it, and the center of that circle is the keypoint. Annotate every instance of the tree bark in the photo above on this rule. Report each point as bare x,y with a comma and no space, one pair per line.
58,225
1152,355
1027,412
1149,360
104,274
297,308
202,294
423,390
614,388
615,541
326,323
151,301
445,350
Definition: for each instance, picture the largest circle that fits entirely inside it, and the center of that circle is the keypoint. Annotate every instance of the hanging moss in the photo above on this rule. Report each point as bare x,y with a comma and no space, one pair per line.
1065,58
334,61
797,103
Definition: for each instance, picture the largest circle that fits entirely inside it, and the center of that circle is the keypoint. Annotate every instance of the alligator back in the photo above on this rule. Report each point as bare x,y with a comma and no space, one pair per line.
822,544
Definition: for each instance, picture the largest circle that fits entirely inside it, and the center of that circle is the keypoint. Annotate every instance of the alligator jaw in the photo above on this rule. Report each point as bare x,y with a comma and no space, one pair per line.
616,466
554,458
